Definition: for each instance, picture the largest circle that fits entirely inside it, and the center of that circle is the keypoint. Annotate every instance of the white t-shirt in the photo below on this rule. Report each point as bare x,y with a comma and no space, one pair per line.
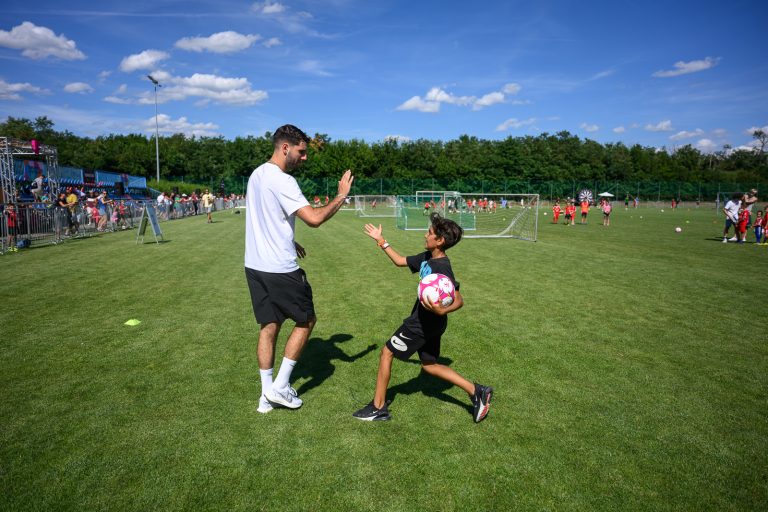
732,209
272,199
161,199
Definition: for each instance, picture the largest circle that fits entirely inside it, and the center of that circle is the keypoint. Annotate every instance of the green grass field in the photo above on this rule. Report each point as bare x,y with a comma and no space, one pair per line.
630,365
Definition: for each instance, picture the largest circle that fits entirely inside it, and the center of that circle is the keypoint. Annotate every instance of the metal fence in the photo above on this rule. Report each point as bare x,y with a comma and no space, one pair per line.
34,224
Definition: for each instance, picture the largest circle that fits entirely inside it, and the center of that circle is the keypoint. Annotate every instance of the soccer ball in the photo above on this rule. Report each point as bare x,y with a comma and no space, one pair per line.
678,229
438,288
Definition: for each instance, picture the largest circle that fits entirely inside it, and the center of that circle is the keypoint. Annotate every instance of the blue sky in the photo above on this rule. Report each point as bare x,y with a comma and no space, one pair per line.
661,74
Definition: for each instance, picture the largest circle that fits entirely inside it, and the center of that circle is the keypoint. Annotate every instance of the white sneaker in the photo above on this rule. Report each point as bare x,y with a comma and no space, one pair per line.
733,239
287,398
264,405
725,240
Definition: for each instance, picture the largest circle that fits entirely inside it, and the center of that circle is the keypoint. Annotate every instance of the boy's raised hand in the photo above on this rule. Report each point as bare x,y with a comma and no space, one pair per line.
373,231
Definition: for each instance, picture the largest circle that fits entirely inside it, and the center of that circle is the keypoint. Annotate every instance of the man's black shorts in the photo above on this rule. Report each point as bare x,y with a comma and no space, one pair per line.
276,297
405,342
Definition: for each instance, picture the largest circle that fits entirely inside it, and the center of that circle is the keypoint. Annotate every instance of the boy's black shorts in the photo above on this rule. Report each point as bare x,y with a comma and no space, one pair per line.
405,342
276,297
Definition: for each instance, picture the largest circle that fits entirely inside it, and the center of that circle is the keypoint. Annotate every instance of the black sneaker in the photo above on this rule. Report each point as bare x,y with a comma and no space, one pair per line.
371,413
481,402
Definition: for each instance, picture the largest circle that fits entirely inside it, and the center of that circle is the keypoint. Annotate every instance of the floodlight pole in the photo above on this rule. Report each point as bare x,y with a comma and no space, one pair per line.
157,130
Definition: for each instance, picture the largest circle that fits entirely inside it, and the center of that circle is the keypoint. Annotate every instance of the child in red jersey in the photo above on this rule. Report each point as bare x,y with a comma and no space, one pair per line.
556,213
570,214
759,226
741,228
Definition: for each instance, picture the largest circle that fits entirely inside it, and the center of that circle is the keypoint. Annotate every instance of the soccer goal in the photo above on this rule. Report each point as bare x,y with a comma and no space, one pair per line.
480,215
375,206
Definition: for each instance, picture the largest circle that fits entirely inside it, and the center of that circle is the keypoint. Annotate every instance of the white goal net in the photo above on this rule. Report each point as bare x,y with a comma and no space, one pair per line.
480,215
375,206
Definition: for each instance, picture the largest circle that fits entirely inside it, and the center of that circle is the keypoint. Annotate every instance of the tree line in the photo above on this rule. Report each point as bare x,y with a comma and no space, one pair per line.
561,156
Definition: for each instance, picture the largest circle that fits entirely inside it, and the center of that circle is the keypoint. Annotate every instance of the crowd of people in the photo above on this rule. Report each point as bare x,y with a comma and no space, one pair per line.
175,205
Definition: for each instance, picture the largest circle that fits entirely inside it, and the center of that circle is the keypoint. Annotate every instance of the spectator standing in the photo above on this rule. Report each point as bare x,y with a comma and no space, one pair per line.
278,286
11,221
208,205
195,200
72,201
584,211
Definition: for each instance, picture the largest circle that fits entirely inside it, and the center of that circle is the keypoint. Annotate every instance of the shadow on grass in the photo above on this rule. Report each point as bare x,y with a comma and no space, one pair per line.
316,360
428,385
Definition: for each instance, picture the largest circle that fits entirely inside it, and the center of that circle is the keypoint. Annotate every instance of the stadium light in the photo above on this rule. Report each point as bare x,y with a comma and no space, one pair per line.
157,129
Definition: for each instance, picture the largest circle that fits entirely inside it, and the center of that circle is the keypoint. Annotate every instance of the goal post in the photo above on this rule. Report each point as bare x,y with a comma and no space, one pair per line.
481,215
375,206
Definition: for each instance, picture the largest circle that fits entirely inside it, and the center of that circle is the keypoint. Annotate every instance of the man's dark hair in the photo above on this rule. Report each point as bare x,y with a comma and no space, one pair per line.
290,134
446,229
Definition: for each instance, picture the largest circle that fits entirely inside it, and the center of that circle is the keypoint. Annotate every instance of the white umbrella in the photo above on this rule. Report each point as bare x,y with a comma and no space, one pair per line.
606,194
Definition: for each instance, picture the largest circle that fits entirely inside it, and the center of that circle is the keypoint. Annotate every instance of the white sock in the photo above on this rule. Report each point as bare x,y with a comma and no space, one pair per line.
284,375
266,380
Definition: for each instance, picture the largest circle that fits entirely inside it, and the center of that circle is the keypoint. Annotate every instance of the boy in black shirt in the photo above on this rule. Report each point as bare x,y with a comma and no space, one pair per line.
422,330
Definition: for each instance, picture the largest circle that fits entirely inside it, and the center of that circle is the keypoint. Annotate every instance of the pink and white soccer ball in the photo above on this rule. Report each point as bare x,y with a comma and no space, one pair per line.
438,287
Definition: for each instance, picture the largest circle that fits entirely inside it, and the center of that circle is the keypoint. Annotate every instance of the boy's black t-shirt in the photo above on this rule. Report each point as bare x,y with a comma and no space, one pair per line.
422,321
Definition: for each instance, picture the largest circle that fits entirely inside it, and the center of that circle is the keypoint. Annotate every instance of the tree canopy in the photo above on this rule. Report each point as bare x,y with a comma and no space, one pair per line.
560,156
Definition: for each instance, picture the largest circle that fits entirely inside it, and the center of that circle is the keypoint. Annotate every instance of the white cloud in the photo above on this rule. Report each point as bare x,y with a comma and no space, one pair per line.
589,127
416,103
698,132
706,145
619,129
750,131
683,68
720,132
40,42
397,138
78,87
181,125
436,95
313,67
118,101
161,76
515,123
663,126
272,41
488,100
268,7
104,75
147,59
11,91
221,42
231,91
122,89
602,74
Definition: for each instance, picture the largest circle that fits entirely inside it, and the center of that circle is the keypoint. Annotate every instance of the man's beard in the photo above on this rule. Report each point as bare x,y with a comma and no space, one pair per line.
292,163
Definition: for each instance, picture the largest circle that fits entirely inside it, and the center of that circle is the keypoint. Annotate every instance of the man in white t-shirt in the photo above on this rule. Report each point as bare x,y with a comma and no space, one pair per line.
731,211
278,286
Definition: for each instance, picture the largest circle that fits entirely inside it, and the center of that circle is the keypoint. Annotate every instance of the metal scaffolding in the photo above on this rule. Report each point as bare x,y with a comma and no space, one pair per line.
15,148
